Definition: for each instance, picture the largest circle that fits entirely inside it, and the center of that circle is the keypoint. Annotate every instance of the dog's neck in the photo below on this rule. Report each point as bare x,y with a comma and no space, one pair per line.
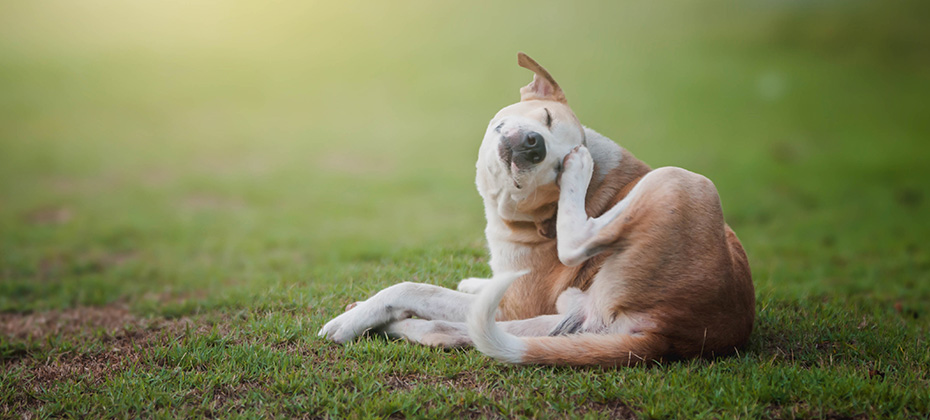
516,235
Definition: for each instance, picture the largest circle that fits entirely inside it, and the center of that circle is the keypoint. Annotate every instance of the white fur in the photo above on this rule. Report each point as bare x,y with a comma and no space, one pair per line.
572,224
400,301
436,316
472,285
449,334
515,192
486,335
574,228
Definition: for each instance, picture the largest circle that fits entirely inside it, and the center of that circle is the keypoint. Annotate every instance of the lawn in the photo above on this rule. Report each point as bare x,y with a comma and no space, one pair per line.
189,190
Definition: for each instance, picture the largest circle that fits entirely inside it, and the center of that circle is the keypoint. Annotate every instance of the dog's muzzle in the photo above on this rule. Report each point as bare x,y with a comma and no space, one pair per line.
522,148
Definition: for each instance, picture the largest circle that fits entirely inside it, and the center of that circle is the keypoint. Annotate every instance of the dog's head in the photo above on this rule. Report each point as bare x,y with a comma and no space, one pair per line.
522,152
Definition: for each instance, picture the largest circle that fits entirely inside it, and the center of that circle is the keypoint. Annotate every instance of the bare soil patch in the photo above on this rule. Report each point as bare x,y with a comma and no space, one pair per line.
71,322
460,381
614,409
49,216
103,341
208,202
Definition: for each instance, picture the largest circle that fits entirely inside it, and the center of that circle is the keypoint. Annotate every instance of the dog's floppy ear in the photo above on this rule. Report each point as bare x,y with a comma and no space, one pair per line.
543,85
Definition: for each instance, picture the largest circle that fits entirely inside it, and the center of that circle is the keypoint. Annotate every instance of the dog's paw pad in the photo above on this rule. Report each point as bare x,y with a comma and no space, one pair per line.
578,167
578,159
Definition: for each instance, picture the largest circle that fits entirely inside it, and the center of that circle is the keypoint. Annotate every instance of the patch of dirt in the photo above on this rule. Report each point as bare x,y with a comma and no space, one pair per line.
49,216
614,409
85,184
201,202
70,322
460,381
229,396
803,410
158,177
112,259
104,341
93,368
115,338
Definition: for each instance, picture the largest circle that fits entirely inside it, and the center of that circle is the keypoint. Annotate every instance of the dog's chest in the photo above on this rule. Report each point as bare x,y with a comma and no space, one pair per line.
536,293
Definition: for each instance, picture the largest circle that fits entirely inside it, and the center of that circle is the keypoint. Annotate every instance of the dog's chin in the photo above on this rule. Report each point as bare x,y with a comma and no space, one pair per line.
519,177
508,175
532,177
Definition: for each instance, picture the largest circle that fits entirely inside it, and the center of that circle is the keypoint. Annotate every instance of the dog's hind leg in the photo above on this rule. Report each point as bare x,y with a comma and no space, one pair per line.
658,194
400,301
436,333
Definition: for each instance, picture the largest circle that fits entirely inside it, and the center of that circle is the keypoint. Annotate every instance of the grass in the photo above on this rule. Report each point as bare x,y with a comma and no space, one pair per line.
189,191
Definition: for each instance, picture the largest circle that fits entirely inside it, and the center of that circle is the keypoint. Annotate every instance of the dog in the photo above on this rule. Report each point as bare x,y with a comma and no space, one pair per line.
597,258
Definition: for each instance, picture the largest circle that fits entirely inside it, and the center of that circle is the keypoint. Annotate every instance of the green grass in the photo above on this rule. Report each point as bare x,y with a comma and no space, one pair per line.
189,191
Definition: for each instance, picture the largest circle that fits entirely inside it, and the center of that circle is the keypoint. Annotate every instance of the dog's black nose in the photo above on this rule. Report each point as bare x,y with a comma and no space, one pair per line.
532,147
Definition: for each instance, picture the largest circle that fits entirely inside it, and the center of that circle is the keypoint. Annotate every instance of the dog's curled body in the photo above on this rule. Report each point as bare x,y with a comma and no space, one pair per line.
661,286
597,258
615,173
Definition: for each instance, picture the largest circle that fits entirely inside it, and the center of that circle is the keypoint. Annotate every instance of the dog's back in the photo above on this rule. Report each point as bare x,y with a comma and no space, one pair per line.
670,278
610,262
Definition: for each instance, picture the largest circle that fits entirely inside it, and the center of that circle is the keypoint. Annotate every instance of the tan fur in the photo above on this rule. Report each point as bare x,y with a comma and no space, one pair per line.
598,259
679,261
594,349
670,256
543,86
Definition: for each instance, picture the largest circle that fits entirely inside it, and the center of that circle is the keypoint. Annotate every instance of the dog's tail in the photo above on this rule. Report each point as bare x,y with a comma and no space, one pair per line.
484,332
576,349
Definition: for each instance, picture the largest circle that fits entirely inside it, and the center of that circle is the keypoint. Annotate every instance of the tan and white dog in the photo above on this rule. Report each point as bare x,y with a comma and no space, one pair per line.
597,259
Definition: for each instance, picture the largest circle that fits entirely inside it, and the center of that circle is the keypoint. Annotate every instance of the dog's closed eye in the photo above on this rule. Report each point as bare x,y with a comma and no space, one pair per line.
548,118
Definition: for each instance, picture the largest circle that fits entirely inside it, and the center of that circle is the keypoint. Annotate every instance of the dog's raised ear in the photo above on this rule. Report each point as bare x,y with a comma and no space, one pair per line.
543,86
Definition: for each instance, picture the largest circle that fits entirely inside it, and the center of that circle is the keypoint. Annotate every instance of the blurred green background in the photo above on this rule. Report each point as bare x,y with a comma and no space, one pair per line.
190,189
235,147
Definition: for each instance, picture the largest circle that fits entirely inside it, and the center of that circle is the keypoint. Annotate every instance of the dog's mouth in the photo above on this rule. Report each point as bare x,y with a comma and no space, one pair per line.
521,158
522,154
506,155
507,158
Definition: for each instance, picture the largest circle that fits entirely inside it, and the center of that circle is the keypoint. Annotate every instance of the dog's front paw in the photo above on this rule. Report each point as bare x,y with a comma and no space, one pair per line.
472,285
359,318
577,168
